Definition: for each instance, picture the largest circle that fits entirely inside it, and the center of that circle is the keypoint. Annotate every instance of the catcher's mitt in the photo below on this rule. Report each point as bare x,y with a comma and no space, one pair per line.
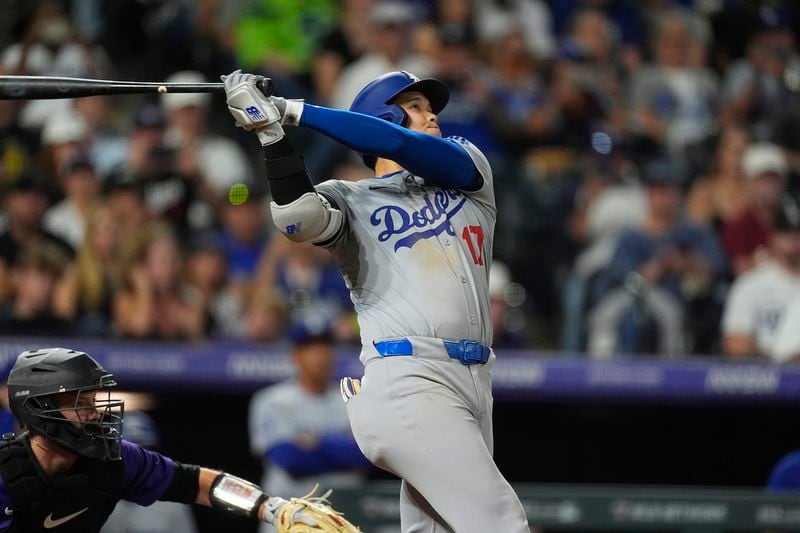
310,514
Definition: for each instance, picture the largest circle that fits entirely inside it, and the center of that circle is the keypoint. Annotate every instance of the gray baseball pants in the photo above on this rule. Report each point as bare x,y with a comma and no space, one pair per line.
428,419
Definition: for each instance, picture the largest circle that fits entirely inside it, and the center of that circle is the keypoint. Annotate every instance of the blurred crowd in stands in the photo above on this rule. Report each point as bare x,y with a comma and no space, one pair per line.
646,158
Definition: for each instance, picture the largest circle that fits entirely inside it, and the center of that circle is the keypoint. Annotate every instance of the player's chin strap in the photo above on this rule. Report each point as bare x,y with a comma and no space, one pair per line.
239,496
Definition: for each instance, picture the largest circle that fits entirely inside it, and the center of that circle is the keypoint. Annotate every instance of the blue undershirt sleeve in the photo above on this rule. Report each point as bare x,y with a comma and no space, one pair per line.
436,160
333,453
298,461
344,451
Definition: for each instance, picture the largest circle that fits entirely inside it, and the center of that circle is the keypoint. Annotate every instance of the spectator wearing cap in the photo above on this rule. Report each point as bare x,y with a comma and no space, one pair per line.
63,134
107,146
147,135
152,167
390,23
25,204
746,235
759,298
608,201
81,188
211,162
661,267
299,427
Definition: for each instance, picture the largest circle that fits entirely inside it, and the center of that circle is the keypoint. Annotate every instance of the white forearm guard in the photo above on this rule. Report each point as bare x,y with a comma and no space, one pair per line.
309,218
236,494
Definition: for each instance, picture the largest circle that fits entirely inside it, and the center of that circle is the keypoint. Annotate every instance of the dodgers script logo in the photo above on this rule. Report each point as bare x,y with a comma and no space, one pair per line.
435,216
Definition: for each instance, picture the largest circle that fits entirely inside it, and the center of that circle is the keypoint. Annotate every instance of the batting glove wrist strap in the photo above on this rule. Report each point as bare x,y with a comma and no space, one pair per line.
237,495
290,110
294,110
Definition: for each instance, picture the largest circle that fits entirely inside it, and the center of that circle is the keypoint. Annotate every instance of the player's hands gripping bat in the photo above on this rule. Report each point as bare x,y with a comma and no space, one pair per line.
306,515
252,110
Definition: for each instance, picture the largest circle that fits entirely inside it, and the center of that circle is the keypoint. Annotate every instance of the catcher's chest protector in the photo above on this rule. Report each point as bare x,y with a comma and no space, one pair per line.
73,503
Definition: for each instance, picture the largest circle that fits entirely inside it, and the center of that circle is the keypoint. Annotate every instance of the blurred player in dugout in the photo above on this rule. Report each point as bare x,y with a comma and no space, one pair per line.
299,427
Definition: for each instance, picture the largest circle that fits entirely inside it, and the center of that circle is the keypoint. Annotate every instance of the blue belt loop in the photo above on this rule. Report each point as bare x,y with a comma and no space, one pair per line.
391,348
466,351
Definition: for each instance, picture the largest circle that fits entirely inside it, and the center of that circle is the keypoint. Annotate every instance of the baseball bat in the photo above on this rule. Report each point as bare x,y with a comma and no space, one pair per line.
50,87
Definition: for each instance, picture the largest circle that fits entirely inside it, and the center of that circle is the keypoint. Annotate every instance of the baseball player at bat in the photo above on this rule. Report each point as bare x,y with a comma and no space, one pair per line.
414,245
71,467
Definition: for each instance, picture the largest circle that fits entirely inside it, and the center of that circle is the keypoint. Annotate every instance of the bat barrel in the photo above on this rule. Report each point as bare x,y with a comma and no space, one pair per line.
45,87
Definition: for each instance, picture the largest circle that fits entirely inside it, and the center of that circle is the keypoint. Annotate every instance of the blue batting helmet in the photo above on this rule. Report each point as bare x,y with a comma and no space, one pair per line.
377,97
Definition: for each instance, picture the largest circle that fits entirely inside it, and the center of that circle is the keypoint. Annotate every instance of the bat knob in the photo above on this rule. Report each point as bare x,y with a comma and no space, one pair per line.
265,86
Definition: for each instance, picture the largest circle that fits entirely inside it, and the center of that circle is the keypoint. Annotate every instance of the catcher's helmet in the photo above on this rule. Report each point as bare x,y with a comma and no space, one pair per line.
377,97
38,376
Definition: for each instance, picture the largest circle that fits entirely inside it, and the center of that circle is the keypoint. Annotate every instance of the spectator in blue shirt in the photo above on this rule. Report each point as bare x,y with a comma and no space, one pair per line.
667,265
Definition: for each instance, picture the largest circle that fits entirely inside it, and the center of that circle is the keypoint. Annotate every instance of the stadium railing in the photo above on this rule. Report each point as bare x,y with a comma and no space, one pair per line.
242,367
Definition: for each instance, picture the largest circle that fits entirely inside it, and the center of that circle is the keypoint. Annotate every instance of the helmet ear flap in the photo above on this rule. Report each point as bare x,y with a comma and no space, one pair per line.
405,120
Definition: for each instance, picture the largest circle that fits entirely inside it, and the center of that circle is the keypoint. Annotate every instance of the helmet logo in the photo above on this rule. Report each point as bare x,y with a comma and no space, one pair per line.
413,78
22,393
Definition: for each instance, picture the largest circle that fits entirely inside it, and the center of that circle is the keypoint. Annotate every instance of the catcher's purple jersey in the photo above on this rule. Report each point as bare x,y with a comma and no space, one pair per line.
147,475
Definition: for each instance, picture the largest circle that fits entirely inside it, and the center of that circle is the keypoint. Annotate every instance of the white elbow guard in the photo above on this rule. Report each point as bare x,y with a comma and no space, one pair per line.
309,218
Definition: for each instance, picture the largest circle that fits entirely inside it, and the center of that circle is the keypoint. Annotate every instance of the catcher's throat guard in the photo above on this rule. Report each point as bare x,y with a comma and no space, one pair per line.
234,494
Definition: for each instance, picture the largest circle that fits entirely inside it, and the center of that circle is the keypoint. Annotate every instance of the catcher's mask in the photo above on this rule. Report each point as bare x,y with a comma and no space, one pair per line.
37,389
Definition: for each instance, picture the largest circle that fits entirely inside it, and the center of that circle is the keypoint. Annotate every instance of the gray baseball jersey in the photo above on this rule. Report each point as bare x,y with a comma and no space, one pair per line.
416,258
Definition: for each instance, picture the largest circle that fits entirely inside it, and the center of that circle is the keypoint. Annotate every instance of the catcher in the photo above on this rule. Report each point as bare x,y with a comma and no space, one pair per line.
71,467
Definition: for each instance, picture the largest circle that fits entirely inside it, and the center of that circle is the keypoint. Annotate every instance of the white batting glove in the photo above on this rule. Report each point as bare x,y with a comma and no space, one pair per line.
349,387
290,110
252,110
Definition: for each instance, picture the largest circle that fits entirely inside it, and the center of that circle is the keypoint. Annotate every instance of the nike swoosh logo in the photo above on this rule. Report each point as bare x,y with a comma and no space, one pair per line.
50,523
